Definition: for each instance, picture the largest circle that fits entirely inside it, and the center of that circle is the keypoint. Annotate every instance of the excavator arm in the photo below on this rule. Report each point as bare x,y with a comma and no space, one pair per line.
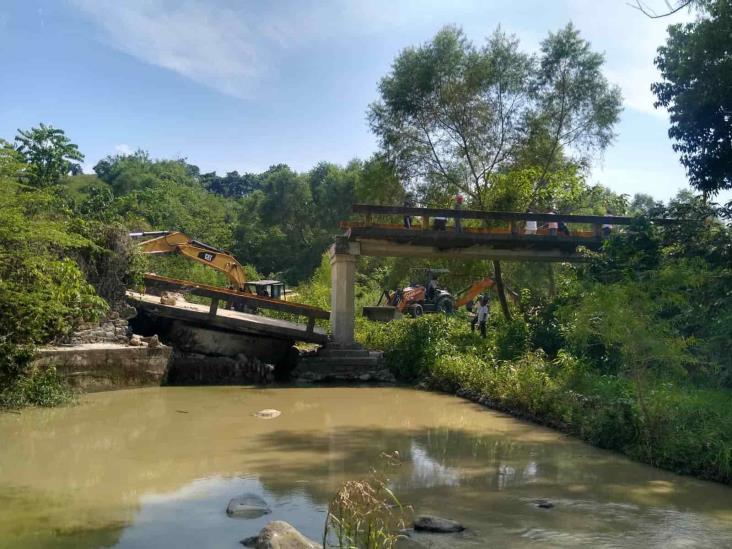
474,290
177,242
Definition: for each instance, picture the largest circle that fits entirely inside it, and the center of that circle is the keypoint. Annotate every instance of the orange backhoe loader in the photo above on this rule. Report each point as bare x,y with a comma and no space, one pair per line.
417,299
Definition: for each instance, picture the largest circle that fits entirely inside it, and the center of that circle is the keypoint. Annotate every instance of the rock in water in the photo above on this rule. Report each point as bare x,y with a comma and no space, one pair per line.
268,413
428,523
280,535
247,506
544,504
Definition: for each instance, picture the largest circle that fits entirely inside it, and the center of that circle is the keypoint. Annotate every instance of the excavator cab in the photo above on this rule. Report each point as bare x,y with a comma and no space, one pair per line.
267,288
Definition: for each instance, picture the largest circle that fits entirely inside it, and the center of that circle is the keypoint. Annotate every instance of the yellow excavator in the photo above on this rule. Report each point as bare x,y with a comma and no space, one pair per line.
171,242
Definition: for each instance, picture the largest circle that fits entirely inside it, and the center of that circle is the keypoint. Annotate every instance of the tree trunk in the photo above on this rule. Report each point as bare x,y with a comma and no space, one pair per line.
500,289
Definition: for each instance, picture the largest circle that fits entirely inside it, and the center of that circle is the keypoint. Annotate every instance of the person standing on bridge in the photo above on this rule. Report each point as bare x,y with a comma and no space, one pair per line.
553,225
407,218
458,206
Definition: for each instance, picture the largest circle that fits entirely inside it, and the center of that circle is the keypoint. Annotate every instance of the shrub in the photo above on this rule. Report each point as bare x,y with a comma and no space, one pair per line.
43,293
512,338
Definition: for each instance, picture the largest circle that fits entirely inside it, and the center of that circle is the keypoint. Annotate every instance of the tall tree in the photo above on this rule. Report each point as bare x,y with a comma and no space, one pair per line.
575,108
378,183
50,155
696,66
450,114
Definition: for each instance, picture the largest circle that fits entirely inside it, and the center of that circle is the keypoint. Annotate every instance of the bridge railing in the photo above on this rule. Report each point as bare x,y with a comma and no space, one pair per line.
513,219
233,298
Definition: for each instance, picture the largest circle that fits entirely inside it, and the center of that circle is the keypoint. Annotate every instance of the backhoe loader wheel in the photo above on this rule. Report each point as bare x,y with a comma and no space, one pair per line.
416,310
445,305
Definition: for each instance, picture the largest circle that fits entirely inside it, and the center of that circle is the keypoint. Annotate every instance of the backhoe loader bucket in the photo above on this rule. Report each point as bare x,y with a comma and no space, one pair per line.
381,313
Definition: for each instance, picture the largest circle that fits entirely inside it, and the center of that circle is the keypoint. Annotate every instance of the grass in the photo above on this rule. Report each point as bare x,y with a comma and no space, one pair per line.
365,514
35,387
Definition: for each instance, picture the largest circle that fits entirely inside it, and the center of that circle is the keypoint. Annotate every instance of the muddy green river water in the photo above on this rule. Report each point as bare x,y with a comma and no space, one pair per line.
157,467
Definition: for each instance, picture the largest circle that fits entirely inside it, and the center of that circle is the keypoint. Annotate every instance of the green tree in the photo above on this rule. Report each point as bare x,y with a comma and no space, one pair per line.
378,182
453,117
137,172
50,155
450,114
11,161
576,108
696,67
645,204
232,185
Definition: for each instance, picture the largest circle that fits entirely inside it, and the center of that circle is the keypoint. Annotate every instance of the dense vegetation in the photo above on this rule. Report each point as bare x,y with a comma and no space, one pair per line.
631,351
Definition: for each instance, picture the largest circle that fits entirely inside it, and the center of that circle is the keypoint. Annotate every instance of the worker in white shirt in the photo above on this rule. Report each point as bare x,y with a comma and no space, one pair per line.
530,226
553,225
482,317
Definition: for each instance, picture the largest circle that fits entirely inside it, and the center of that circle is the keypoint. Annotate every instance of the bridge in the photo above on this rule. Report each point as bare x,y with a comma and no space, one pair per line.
452,233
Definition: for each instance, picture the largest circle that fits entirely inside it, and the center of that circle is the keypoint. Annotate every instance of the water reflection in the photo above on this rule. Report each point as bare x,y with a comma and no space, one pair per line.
129,469
427,472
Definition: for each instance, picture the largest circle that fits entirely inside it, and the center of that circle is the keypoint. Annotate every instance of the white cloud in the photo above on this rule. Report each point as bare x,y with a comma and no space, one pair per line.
232,45
123,148
213,46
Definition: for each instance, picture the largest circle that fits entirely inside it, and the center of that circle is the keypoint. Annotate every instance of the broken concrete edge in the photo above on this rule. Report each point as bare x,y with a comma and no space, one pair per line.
93,367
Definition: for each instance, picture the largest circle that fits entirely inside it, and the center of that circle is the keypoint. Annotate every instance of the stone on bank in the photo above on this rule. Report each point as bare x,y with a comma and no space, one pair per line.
280,535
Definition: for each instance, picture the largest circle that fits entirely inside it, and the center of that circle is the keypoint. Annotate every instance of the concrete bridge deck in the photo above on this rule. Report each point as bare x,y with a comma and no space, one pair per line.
228,320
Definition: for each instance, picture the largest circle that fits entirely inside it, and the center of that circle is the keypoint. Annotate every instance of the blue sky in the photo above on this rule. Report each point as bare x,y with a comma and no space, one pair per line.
236,84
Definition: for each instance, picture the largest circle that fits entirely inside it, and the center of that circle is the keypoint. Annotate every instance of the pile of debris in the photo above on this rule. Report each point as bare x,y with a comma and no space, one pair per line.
113,329
199,369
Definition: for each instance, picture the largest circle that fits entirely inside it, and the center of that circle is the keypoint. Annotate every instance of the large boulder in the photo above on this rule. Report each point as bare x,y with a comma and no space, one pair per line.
171,298
127,312
280,535
247,506
429,523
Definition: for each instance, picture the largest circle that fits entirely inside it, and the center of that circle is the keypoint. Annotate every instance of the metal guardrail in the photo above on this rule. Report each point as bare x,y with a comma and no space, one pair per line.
372,209
232,297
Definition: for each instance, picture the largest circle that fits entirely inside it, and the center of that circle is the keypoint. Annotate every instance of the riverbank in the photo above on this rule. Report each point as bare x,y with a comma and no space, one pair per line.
662,422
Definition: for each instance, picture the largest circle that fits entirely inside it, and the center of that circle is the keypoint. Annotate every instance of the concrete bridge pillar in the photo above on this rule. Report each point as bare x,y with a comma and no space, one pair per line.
342,304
